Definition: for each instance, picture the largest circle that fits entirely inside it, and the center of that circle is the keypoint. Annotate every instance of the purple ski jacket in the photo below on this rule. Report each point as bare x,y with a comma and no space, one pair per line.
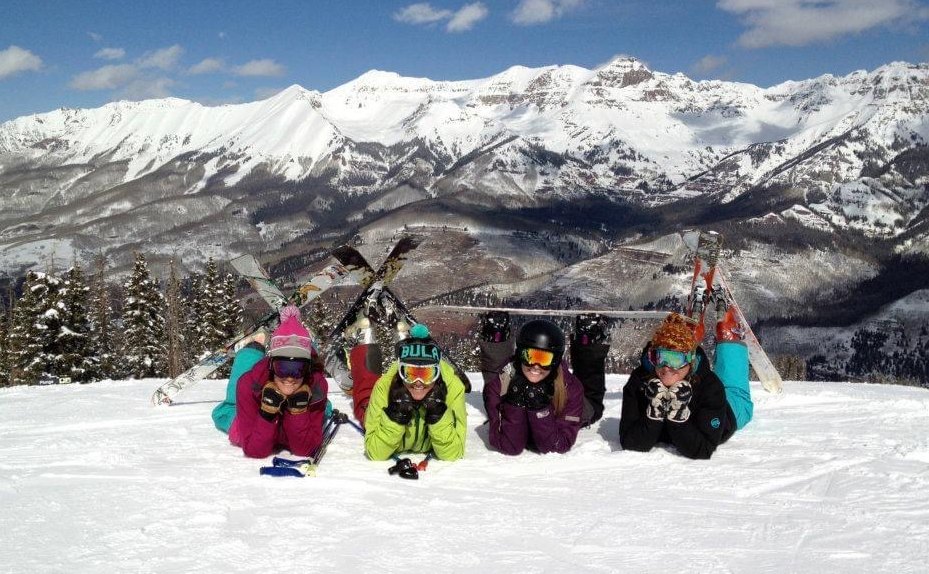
513,429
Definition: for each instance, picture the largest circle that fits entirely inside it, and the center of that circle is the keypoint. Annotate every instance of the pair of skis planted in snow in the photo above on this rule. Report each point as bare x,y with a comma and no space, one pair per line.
709,285
249,268
375,303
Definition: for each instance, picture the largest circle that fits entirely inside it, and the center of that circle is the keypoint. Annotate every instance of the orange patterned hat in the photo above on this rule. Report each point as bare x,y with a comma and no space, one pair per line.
676,333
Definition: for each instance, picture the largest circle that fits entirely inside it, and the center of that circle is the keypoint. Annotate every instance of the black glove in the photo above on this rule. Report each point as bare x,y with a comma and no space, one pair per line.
678,410
400,404
523,394
659,400
298,402
539,395
271,402
516,392
434,403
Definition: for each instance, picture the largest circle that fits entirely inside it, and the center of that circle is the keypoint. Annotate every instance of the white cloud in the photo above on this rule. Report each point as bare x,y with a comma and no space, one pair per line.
460,20
95,37
804,22
206,66
163,59
105,78
110,54
265,67
709,63
532,12
14,60
422,13
147,88
467,17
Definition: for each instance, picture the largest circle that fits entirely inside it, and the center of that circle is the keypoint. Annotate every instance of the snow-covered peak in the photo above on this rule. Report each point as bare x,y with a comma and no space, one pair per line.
295,93
622,72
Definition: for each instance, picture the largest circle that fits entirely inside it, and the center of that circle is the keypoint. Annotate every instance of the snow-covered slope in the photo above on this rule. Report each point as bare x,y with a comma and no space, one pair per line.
827,478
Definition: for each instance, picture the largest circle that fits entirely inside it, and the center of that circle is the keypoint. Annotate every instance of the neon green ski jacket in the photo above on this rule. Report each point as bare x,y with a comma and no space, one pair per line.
446,438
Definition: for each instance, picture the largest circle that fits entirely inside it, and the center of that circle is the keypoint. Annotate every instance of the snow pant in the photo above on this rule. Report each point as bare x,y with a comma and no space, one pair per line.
245,359
587,364
732,369
365,364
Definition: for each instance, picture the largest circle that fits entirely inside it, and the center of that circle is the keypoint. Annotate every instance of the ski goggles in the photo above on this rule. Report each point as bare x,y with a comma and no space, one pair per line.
540,357
423,374
290,368
661,357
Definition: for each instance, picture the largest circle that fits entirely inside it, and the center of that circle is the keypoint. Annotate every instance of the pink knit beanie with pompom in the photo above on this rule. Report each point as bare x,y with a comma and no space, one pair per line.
291,339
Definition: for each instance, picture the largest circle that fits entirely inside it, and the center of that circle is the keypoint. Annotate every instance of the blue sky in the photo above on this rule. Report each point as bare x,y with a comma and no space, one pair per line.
83,53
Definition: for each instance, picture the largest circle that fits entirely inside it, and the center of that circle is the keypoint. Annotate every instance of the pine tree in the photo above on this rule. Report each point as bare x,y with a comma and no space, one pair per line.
73,340
175,313
212,325
25,340
49,323
143,324
231,309
195,304
5,347
100,345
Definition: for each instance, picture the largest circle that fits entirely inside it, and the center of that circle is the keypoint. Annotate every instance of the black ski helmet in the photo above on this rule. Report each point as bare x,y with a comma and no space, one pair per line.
542,334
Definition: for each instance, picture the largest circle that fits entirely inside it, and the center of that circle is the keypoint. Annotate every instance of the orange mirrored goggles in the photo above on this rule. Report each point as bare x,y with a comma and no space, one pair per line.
539,357
423,374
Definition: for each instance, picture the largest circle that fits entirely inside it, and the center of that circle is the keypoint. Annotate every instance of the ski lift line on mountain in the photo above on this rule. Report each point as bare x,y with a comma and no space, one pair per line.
546,312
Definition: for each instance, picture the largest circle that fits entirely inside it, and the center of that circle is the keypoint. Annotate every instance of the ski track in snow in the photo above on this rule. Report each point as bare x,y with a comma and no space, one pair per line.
829,477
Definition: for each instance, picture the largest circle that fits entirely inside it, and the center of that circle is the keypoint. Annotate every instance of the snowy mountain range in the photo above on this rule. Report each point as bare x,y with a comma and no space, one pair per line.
534,171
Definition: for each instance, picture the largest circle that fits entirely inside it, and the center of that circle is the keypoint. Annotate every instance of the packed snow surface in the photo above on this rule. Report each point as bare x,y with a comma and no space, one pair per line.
829,477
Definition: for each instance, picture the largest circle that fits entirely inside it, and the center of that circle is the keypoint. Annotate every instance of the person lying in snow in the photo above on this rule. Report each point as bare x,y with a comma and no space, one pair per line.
278,401
417,405
674,397
532,400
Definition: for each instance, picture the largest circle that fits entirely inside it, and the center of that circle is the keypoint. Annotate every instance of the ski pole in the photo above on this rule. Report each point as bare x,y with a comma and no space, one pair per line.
307,466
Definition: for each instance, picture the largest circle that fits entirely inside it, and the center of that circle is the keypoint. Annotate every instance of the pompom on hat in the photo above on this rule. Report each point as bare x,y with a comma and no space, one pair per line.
676,333
291,339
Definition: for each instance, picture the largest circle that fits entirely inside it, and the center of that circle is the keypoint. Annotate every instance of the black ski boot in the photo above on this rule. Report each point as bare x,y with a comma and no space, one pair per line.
591,329
589,348
495,326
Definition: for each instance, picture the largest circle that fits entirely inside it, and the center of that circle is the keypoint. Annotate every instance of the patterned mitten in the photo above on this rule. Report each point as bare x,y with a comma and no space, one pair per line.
659,400
681,393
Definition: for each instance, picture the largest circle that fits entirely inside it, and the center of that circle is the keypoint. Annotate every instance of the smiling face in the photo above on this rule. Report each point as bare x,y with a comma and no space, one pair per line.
287,385
418,391
534,373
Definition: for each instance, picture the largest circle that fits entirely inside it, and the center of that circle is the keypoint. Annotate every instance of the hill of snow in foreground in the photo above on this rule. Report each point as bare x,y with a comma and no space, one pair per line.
829,477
